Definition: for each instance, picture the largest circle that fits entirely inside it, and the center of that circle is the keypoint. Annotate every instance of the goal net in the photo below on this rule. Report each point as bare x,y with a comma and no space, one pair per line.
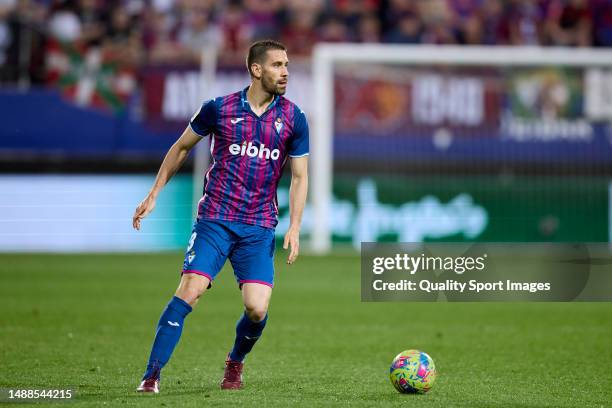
386,113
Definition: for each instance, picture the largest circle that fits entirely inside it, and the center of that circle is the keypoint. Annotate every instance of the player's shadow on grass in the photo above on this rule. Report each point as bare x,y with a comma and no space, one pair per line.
173,391
177,392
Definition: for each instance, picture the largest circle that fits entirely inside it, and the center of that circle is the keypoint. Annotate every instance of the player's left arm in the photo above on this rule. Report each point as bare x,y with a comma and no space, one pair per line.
298,151
297,200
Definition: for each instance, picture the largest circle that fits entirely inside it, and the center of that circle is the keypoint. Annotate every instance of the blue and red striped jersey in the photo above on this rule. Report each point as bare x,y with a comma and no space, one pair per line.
248,155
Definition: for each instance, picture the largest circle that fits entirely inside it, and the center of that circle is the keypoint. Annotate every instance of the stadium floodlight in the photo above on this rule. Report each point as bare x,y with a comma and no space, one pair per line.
326,56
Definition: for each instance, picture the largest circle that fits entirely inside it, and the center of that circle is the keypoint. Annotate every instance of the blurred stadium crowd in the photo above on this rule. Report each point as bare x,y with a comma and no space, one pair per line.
152,32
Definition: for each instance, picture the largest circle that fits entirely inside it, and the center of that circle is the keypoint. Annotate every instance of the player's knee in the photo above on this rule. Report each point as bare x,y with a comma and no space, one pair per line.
190,296
190,292
256,313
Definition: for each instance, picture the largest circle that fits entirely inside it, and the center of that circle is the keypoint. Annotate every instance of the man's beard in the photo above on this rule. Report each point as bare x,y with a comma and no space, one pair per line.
272,87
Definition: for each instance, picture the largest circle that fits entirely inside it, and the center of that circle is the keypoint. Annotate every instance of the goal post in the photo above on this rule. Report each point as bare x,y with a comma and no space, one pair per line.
202,157
327,56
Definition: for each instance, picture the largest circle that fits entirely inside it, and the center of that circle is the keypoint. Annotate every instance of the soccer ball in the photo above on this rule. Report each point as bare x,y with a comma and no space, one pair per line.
412,372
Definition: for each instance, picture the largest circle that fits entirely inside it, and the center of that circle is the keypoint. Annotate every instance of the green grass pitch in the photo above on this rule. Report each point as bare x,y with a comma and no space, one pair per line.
87,321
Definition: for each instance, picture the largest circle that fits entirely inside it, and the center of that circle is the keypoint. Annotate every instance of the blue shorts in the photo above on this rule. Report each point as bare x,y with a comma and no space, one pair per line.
250,249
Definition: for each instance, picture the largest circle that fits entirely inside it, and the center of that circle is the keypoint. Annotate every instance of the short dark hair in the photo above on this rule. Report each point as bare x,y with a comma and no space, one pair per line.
258,50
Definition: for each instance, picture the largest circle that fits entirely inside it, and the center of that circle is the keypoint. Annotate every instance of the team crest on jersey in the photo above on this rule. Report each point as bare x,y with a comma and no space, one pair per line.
191,255
278,125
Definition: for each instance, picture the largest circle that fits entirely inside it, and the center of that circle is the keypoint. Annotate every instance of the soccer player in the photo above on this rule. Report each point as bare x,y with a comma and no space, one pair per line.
254,132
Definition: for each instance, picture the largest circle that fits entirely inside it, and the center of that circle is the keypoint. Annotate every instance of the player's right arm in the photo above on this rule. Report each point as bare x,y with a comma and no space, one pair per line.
172,162
201,124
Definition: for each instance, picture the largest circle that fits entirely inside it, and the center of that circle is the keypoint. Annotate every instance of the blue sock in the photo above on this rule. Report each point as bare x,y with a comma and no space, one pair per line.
169,329
247,333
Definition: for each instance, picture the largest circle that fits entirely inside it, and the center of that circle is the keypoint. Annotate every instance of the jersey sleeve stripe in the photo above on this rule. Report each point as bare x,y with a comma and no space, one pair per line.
299,155
194,131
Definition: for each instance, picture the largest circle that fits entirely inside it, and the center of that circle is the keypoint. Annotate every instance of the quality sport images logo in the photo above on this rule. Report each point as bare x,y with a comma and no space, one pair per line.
252,150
